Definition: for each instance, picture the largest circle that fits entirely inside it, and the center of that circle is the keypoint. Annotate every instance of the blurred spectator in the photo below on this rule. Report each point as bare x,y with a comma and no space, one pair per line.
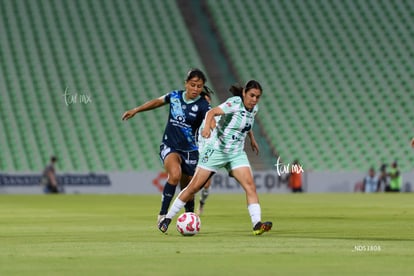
395,178
383,178
295,177
49,180
370,183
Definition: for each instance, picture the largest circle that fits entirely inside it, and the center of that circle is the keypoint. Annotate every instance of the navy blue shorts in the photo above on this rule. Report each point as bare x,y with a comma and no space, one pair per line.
189,159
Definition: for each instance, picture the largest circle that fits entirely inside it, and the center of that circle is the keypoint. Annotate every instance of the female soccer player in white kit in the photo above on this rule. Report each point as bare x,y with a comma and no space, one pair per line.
205,191
225,149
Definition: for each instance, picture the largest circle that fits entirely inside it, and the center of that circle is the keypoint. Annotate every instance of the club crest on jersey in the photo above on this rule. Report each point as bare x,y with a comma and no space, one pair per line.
194,108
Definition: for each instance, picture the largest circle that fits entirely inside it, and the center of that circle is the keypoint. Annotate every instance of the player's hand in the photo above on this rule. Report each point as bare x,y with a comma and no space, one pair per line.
255,146
412,143
206,132
128,115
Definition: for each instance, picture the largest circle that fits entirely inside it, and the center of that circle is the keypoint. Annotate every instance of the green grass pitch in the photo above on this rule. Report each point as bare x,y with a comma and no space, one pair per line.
314,234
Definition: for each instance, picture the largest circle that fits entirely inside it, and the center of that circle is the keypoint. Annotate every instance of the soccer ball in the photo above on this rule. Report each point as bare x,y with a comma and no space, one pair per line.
188,224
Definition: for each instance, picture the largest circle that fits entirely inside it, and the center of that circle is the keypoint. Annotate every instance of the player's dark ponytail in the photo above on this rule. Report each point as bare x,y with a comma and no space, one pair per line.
206,92
237,90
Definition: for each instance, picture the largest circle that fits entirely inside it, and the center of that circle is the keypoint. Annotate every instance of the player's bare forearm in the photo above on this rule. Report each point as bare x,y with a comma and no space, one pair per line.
155,103
209,120
251,136
253,143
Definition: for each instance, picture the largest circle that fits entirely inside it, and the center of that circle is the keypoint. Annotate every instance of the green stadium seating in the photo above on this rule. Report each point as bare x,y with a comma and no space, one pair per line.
337,78
116,52
336,75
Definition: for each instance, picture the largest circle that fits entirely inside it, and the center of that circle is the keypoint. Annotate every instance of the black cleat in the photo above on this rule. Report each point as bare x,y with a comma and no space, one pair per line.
163,225
262,227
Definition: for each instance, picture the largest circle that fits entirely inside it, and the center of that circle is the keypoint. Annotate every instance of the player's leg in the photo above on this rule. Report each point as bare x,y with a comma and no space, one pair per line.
172,164
208,163
185,179
203,197
188,167
242,172
197,182
205,191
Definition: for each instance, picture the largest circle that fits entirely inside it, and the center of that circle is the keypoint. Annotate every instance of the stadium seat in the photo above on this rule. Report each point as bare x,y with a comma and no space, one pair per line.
335,75
112,51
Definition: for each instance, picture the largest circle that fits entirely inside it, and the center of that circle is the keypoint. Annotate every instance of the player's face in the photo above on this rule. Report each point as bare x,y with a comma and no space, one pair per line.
193,88
251,98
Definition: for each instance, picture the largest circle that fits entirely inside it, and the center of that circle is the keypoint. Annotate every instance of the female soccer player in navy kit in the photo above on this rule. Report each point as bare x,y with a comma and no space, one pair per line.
178,150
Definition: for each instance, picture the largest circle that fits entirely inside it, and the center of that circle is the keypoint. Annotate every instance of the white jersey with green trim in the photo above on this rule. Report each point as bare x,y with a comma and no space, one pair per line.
201,141
232,128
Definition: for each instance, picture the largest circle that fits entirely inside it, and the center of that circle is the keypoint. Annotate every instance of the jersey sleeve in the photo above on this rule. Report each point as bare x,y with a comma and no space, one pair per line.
231,105
167,97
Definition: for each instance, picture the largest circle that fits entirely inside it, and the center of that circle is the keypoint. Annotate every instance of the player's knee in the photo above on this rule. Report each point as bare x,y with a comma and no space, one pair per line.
173,182
174,177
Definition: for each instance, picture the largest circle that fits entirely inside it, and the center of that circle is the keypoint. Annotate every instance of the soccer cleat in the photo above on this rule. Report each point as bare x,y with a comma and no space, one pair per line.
163,225
160,218
262,227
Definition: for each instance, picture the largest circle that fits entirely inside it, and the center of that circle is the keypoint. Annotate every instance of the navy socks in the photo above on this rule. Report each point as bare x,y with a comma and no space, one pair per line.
167,196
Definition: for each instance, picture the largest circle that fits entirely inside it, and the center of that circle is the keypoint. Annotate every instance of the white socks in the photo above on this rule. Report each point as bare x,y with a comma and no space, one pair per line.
255,213
254,210
177,205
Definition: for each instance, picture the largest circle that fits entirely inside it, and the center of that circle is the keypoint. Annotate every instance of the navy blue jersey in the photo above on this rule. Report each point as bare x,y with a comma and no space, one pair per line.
183,121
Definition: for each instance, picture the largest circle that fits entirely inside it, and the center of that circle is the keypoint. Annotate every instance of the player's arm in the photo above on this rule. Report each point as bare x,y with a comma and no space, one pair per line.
253,143
210,121
152,104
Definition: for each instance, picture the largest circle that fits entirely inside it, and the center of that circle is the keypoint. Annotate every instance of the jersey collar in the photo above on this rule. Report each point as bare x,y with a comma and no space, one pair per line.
189,101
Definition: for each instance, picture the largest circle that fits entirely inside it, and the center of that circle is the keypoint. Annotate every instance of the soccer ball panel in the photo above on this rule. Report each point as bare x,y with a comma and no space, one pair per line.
188,224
